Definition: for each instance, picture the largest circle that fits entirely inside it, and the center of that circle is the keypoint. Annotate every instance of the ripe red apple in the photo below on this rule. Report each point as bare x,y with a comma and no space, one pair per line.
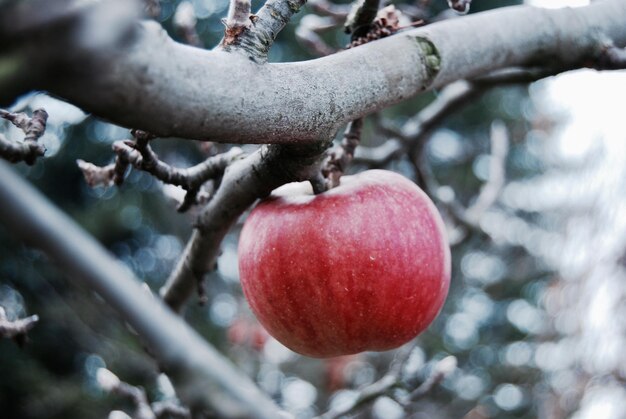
364,266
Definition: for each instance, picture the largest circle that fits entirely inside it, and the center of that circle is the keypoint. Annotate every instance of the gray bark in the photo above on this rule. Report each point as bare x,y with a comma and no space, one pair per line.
169,89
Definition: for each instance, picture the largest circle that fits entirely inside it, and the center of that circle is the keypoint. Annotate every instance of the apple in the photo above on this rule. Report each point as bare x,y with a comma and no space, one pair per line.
363,266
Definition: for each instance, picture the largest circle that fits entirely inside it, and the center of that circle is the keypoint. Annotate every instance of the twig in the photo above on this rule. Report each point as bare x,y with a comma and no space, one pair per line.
610,57
393,380
184,21
360,19
441,370
460,6
16,328
140,155
237,21
385,23
243,183
268,22
340,156
109,382
153,8
33,127
328,8
307,33
381,155
204,378
497,173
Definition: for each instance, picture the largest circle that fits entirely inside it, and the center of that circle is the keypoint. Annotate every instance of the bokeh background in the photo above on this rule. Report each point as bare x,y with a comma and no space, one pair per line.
536,314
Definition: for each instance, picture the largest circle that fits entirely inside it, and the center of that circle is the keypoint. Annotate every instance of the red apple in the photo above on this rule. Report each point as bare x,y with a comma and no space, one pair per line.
364,266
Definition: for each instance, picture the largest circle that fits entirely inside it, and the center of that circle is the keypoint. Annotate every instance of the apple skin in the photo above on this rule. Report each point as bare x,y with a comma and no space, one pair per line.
363,266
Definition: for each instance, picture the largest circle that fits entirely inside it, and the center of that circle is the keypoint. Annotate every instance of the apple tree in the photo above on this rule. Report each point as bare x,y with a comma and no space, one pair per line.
148,131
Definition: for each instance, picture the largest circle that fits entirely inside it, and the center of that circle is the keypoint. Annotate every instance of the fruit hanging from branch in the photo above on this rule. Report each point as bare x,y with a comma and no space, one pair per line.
363,266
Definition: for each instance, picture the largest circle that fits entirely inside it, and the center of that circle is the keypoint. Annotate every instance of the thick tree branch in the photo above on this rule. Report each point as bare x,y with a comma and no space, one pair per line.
227,97
204,378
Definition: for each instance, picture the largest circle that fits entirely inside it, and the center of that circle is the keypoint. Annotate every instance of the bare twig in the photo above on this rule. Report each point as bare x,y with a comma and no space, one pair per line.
393,380
152,7
204,378
381,155
109,382
237,21
267,23
185,24
460,6
140,155
307,33
386,23
441,370
610,57
359,21
497,172
328,8
33,127
15,328
339,157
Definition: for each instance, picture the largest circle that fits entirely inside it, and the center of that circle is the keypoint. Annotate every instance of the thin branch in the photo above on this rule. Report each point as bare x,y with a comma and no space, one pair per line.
204,378
109,382
140,155
15,328
328,8
497,173
33,127
610,57
381,155
243,183
341,156
386,23
360,19
441,370
152,7
308,30
184,22
257,39
460,6
391,381
237,21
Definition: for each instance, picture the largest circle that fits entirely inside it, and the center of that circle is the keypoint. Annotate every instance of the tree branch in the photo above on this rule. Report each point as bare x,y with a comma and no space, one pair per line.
143,408
256,41
243,183
15,328
226,97
34,127
237,21
140,155
340,157
204,378
391,381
